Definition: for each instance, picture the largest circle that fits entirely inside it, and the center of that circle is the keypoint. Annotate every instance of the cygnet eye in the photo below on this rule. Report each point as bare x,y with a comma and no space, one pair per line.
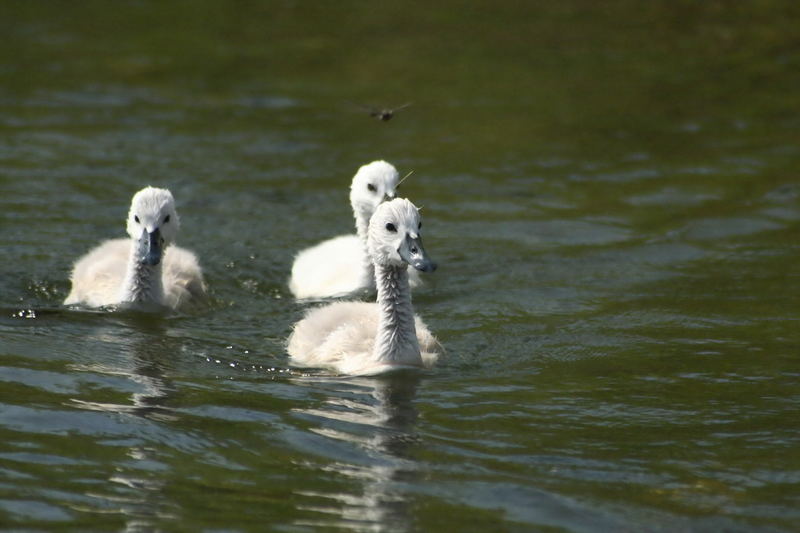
136,218
166,219
391,227
420,226
371,187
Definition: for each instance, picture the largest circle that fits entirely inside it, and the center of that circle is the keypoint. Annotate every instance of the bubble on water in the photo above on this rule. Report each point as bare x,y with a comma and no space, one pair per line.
250,285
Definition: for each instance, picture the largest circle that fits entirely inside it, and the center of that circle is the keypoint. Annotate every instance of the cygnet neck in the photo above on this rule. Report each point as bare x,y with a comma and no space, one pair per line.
396,341
143,284
362,226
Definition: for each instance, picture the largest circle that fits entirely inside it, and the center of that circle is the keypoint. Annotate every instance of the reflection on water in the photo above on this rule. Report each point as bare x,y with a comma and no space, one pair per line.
377,416
140,359
140,341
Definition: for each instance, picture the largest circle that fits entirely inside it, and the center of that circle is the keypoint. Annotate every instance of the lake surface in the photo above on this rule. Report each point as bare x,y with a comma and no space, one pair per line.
612,193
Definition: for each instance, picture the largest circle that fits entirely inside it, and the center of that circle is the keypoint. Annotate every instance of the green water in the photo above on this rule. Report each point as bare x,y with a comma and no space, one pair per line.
611,191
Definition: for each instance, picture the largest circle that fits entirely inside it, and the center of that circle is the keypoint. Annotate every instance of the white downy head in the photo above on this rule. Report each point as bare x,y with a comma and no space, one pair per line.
395,238
153,223
372,184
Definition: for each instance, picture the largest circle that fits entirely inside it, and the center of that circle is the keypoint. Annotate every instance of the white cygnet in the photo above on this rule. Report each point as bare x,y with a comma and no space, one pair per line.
360,338
340,266
143,272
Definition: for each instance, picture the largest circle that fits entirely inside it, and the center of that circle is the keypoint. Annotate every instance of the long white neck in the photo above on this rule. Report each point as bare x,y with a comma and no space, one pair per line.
142,284
362,224
396,341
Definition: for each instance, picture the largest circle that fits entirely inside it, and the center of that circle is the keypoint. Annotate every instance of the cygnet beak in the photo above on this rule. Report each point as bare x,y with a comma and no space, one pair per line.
154,248
388,195
412,252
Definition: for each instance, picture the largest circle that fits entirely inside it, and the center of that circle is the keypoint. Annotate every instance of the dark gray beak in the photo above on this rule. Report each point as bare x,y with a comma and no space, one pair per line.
388,196
154,248
414,254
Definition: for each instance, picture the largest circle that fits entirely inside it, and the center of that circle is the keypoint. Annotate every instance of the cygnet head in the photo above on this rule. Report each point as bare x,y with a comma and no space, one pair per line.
153,223
372,184
395,236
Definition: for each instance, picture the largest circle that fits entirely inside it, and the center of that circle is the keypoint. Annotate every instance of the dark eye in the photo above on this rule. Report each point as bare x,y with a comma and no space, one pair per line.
371,187
391,227
420,226
136,218
166,219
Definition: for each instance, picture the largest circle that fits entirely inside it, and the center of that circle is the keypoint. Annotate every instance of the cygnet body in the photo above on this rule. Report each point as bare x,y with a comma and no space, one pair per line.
340,266
144,271
359,338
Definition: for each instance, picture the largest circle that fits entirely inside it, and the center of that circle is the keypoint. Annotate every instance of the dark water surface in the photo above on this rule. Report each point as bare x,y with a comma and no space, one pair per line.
611,190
